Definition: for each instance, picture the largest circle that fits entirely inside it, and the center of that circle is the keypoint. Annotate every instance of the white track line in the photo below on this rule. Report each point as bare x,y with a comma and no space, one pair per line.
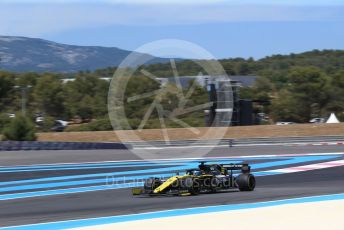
243,145
303,168
173,159
317,144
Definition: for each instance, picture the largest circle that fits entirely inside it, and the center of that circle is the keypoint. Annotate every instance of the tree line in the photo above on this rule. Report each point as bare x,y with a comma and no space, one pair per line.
84,100
298,87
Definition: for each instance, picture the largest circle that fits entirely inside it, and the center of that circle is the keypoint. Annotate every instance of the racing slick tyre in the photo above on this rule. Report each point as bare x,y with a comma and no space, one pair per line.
151,183
246,182
193,186
214,185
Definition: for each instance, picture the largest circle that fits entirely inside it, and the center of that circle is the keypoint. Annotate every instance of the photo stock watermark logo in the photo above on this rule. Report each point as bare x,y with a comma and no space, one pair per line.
178,97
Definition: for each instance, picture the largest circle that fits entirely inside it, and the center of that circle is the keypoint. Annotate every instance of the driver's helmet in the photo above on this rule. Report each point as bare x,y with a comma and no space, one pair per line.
215,171
194,172
197,173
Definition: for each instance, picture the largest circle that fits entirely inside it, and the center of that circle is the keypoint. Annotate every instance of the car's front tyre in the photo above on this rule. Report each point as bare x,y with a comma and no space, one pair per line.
151,184
193,186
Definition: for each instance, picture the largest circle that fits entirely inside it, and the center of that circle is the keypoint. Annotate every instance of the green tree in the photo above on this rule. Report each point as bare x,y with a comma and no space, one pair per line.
137,86
7,82
86,97
305,95
4,121
48,94
336,95
20,129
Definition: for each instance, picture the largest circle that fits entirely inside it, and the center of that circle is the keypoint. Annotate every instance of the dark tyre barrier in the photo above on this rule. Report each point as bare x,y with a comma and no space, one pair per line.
41,145
238,142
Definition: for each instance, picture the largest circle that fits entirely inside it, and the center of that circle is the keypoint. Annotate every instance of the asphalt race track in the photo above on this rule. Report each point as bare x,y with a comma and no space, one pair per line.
46,186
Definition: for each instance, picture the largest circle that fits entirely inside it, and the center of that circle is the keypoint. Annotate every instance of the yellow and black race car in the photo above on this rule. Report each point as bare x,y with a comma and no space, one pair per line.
207,178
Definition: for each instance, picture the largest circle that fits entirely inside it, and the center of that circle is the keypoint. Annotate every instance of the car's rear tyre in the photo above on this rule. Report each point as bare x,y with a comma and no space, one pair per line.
246,182
152,183
215,184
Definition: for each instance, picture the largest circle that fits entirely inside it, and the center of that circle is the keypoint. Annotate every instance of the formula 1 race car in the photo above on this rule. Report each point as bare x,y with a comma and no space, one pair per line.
204,179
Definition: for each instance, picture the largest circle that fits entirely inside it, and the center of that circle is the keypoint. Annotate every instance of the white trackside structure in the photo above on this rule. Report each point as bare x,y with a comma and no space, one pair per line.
332,119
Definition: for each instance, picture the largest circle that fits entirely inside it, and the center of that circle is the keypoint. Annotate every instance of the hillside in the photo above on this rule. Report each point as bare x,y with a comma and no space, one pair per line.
329,61
22,54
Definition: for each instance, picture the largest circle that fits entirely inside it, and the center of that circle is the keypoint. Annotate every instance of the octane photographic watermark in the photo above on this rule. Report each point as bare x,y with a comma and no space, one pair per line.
135,62
125,182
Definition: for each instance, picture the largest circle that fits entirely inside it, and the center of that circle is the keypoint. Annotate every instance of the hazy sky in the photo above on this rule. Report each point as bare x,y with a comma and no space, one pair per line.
232,28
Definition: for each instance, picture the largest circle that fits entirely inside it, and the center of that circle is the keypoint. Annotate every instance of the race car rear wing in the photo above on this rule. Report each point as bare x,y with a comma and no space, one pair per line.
245,168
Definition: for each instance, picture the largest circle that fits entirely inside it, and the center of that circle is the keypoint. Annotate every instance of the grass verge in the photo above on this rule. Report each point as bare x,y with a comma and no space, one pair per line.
203,133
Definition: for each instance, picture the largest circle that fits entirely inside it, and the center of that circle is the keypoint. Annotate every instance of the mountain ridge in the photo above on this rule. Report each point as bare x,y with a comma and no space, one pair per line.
24,54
